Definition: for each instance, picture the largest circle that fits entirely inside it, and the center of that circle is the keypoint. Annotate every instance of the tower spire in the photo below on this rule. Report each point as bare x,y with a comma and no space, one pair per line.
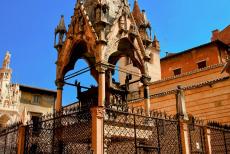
137,14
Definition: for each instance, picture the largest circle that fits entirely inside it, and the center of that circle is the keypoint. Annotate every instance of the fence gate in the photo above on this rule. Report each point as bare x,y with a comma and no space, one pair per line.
197,139
8,140
67,132
133,133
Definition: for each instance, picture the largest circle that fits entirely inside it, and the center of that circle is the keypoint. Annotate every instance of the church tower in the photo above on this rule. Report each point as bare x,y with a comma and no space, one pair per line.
9,94
5,76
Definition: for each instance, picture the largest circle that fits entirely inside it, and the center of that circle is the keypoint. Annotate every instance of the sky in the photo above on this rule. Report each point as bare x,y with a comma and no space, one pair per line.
27,31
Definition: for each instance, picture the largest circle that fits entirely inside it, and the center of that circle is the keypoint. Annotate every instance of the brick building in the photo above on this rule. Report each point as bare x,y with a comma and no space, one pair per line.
201,73
105,33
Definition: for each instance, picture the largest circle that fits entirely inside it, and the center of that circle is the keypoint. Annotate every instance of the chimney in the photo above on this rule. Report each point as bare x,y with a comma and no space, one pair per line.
215,34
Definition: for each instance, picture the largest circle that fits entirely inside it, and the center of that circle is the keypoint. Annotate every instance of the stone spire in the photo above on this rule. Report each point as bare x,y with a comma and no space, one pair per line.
61,26
60,30
137,14
142,23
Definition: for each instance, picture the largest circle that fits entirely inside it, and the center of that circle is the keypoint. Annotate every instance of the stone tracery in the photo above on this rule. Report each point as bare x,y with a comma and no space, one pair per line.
102,34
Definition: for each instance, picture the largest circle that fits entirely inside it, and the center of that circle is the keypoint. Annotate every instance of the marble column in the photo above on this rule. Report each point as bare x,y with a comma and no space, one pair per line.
58,103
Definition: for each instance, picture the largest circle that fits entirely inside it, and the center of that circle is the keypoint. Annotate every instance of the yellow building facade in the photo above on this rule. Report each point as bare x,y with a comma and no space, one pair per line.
20,103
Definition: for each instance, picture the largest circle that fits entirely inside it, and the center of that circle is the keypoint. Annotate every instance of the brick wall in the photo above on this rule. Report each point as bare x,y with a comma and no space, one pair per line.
210,102
187,61
223,35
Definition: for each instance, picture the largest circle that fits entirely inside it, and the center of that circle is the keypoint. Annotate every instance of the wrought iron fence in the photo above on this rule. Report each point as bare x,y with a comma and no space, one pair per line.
197,139
66,132
220,140
127,131
132,132
8,140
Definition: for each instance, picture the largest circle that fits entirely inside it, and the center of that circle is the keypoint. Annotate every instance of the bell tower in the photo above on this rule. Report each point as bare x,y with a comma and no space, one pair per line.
5,75
9,94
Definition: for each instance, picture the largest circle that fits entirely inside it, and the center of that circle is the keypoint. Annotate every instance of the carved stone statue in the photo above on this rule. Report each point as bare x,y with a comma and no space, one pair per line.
180,98
6,61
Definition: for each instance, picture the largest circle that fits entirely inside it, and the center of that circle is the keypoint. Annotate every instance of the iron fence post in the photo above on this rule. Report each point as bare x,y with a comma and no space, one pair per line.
225,143
25,138
5,143
179,135
183,137
135,133
21,139
53,137
207,133
202,139
190,137
158,138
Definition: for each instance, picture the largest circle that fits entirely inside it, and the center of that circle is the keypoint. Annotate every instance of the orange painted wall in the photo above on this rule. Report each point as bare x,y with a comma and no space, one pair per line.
188,61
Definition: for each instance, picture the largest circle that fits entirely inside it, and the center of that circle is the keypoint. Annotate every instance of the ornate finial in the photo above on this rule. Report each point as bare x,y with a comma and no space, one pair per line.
6,61
156,43
78,2
61,30
61,27
24,117
81,2
155,37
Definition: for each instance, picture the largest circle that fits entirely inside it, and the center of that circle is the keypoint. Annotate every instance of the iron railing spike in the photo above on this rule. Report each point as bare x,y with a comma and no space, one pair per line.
141,111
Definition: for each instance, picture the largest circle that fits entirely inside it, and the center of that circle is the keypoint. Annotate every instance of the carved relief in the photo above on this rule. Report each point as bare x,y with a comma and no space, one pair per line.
100,112
81,22
122,23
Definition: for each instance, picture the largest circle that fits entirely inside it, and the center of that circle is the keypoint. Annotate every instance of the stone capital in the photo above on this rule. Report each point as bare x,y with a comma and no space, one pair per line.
101,68
59,84
98,112
145,79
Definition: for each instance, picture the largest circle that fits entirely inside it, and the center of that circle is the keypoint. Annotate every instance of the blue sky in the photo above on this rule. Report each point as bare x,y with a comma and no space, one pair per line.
27,31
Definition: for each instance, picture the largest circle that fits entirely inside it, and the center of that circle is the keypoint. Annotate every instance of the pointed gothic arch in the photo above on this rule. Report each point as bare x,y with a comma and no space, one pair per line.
126,48
78,51
98,34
